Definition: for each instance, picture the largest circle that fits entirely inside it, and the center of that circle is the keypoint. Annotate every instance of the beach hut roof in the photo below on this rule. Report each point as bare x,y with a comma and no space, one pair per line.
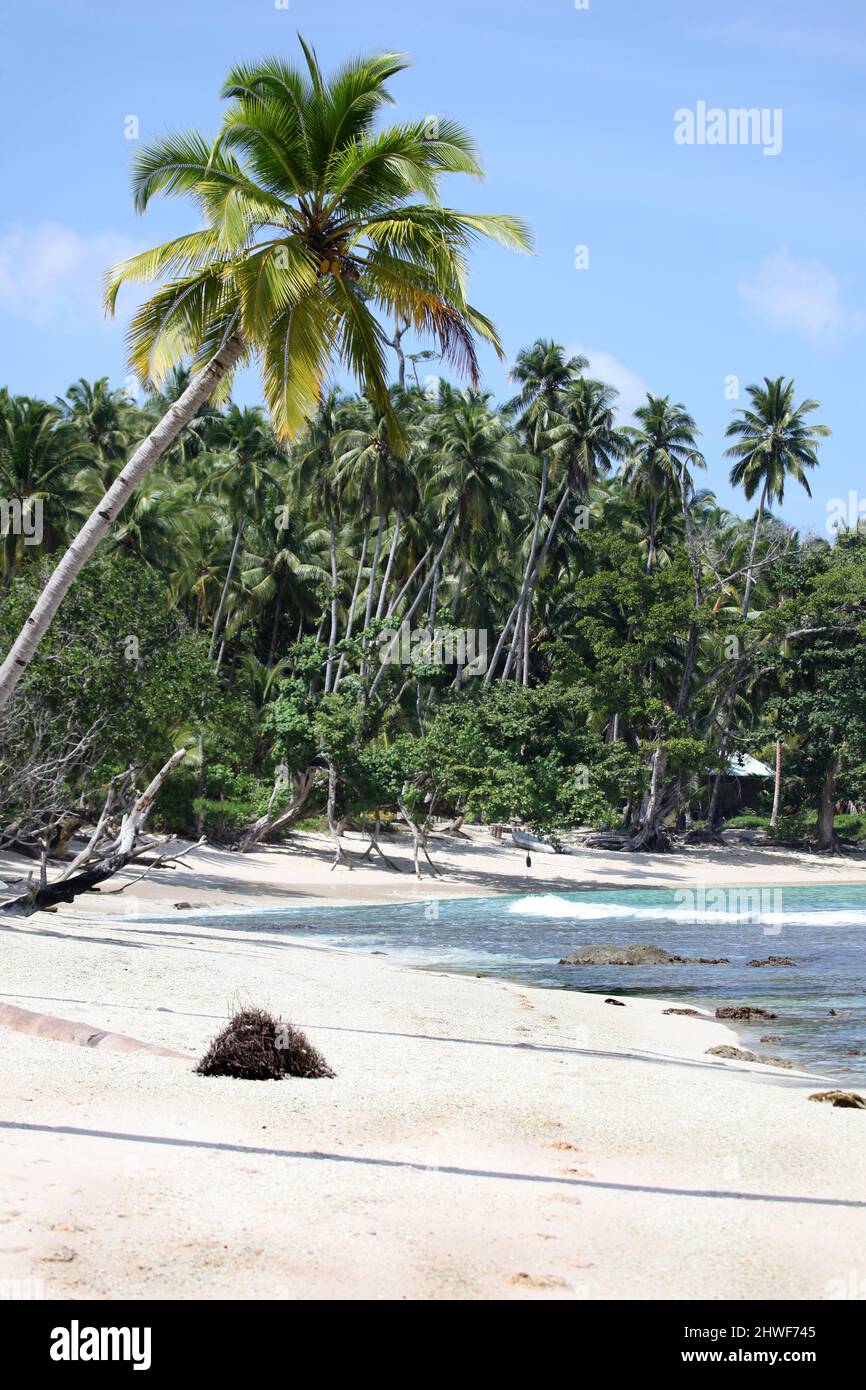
744,765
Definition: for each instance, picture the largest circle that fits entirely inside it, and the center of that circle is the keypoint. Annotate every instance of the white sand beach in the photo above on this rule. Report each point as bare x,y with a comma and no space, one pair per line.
481,1140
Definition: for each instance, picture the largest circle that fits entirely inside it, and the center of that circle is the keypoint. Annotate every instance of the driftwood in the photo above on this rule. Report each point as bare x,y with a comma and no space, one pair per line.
96,862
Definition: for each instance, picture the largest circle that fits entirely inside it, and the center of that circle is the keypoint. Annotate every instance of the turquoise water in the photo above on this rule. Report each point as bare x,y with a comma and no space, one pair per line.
522,938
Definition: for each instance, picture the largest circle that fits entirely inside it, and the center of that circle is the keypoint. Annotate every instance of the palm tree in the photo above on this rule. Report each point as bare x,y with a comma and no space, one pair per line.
104,418
281,568
543,371
774,442
41,455
316,469
583,443
314,222
471,477
662,450
246,456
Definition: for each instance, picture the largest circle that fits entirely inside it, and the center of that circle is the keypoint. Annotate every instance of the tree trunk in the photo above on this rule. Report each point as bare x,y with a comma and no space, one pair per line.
651,548
534,577
827,807
750,572
420,594
278,613
143,460
650,835
374,570
712,809
392,607
527,573
269,824
217,622
119,853
777,789
383,594
340,856
350,620
332,640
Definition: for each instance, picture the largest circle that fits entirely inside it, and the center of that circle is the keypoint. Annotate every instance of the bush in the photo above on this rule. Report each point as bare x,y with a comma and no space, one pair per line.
255,1046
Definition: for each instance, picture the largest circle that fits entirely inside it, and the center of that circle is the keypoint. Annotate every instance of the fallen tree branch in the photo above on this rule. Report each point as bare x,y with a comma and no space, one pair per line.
118,854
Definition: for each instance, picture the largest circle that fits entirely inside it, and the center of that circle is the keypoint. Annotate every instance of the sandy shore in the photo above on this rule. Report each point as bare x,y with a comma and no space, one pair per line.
471,867
481,1140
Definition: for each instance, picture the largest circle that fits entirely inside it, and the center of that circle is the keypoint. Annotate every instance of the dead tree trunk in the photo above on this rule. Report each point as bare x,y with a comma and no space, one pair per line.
109,860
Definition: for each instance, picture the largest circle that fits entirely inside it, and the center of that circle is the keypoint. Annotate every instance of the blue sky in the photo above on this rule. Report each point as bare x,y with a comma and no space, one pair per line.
706,262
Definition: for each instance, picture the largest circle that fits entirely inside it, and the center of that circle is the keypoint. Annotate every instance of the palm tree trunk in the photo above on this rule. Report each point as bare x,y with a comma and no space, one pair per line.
518,607
374,570
392,607
750,572
747,598
548,541
383,594
278,612
332,640
526,625
827,806
217,622
421,592
350,620
777,789
143,460
651,549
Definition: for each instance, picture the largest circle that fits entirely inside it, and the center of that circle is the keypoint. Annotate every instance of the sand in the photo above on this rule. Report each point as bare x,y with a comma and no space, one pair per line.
481,1140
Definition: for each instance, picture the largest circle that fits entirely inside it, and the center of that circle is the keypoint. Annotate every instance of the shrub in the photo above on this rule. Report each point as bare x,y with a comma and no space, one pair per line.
255,1046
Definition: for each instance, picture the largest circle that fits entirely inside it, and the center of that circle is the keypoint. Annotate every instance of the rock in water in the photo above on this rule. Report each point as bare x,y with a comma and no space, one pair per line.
780,962
633,953
684,1013
846,1100
745,1012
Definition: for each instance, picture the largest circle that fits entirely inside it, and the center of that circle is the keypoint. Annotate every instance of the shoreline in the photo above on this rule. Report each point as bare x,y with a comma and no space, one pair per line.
299,874
483,1139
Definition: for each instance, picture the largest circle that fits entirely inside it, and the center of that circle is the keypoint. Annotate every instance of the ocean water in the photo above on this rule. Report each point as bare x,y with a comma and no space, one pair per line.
522,939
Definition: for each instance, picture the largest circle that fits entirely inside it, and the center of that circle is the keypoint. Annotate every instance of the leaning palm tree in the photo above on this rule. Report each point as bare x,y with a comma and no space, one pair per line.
774,442
314,222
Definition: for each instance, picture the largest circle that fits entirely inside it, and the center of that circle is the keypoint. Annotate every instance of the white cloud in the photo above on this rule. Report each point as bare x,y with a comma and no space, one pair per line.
798,294
51,275
603,366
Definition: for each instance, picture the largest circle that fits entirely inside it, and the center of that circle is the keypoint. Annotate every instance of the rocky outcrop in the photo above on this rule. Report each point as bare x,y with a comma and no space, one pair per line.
634,953
740,1054
780,962
745,1013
